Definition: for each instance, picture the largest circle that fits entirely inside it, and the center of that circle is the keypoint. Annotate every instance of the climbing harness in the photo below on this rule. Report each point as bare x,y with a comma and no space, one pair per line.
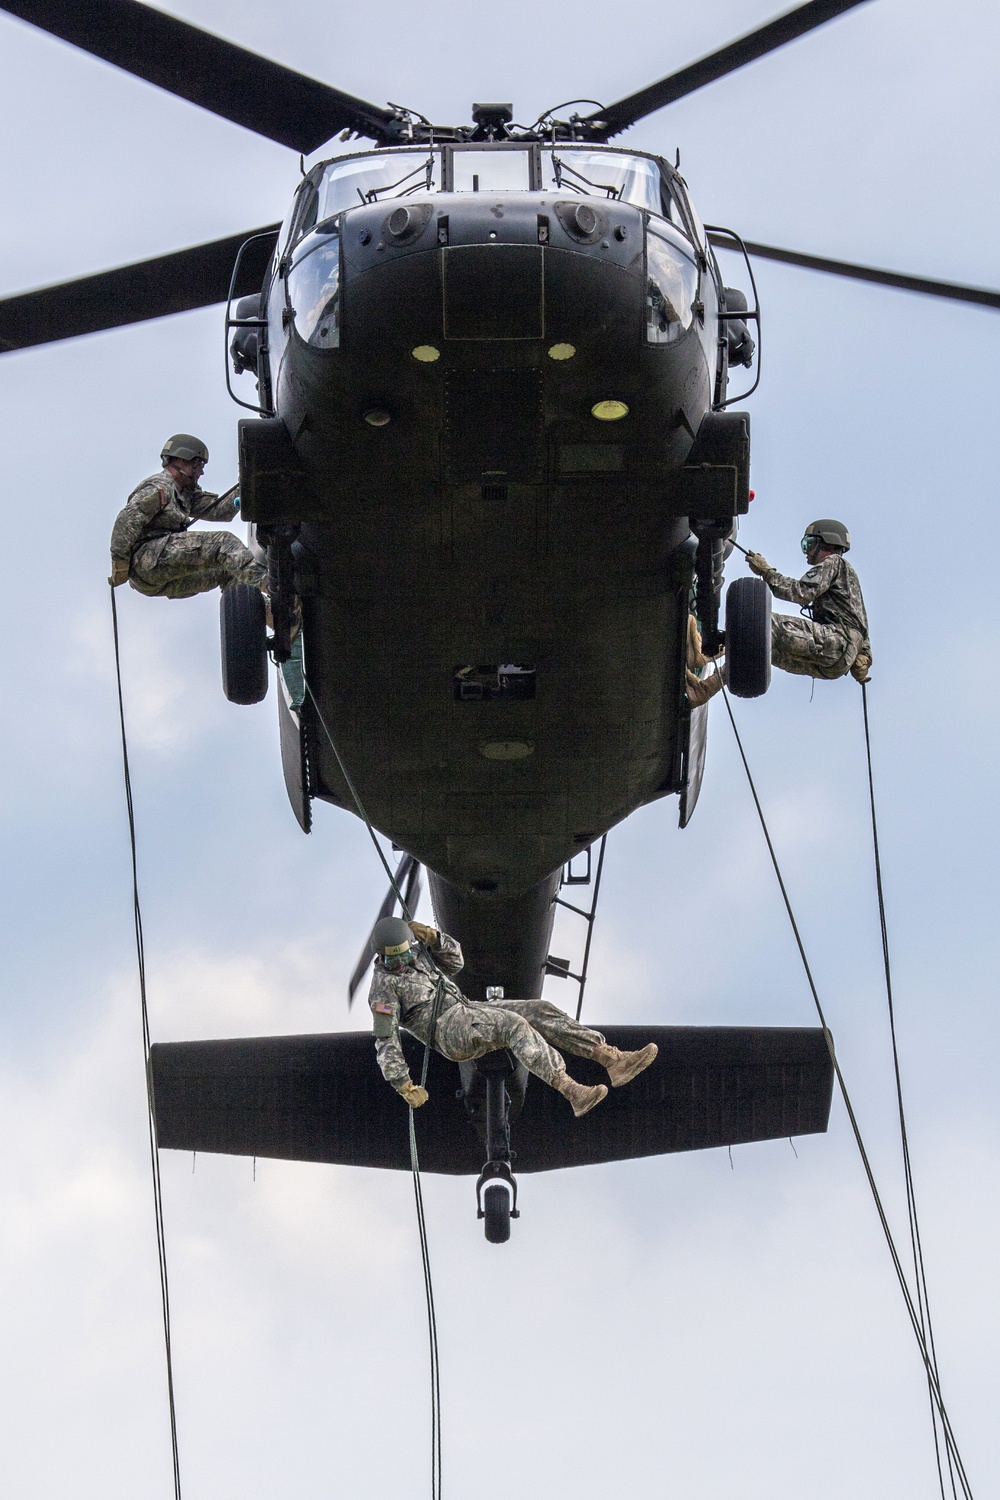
154,1150
916,1246
918,1312
414,1159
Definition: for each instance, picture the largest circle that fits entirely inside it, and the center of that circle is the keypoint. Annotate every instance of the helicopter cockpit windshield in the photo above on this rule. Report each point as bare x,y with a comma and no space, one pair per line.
616,175
368,179
612,174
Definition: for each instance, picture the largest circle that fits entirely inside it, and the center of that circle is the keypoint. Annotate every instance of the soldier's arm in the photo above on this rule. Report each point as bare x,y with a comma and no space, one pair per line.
384,1006
447,954
804,590
132,521
209,507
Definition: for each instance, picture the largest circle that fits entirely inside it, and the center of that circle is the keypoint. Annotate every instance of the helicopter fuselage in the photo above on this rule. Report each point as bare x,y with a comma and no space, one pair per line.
488,400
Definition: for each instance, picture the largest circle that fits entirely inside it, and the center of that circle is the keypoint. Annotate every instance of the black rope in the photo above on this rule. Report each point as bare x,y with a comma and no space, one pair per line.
914,1315
357,800
414,1157
916,1246
154,1154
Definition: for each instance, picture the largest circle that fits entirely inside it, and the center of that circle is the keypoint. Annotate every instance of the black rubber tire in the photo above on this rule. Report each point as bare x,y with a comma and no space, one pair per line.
748,637
496,1208
244,644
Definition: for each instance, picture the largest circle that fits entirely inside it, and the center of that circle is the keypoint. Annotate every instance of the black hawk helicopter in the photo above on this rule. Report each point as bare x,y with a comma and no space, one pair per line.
495,359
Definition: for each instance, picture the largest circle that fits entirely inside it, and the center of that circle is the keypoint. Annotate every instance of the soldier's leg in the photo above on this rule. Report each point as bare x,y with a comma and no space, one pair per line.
562,1031
559,1029
468,1031
236,560
807,649
192,562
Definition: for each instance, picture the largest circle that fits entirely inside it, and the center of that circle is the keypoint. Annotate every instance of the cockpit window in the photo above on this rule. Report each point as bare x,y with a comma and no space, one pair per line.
368,179
491,171
671,286
629,179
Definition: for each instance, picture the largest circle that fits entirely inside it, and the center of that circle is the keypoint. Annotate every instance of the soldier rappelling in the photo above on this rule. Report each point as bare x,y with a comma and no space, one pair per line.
404,995
830,640
833,640
151,545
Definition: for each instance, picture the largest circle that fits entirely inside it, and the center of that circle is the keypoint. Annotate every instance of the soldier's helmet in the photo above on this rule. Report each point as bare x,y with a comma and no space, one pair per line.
391,936
834,533
183,445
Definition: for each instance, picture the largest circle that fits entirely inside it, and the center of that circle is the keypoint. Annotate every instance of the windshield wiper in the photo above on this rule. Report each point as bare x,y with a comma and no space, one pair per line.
427,167
559,167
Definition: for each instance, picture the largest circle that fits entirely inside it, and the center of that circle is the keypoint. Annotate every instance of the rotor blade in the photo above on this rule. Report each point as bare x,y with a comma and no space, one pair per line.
954,290
174,283
746,49
261,95
407,879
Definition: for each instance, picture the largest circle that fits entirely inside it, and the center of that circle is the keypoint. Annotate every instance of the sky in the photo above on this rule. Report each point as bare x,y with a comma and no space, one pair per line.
688,1327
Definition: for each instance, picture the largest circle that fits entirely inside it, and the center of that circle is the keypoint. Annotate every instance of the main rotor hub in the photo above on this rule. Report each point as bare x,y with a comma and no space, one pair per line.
492,121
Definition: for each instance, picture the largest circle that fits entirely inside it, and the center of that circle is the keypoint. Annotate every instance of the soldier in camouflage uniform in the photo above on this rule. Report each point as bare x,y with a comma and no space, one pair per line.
151,545
834,640
402,995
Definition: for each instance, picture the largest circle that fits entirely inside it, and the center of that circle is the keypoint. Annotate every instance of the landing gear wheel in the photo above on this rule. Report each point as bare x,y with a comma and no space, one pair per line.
244,643
496,1210
748,637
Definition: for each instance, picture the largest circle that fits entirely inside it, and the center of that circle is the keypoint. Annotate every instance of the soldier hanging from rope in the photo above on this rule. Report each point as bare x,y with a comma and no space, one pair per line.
833,639
404,996
151,546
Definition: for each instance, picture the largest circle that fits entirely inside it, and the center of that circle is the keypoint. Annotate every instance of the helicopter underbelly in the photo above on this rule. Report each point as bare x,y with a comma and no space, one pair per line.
493,520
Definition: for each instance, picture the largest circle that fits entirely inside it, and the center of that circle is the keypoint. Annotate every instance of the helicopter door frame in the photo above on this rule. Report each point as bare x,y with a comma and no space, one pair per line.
533,149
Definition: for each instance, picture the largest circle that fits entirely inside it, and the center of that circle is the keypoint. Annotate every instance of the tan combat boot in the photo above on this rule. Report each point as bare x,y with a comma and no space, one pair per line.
622,1067
700,689
696,658
582,1096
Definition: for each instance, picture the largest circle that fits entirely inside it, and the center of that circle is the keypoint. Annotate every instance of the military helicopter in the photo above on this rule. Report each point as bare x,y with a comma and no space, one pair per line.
498,358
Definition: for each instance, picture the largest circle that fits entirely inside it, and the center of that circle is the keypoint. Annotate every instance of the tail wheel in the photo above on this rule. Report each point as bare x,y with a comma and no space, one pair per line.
748,637
496,1211
244,643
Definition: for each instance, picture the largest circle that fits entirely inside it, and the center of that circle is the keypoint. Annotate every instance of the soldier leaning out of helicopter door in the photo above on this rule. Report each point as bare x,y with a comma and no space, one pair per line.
833,640
151,546
402,996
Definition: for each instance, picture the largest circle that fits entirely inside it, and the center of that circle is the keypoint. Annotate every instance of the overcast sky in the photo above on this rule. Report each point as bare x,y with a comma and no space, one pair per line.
682,1327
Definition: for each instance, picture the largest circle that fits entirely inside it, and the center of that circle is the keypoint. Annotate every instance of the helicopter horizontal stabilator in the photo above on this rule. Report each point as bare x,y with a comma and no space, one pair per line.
322,1099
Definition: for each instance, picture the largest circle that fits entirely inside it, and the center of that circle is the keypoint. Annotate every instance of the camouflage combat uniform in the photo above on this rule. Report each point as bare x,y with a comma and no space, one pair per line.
531,1029
827,644
164,558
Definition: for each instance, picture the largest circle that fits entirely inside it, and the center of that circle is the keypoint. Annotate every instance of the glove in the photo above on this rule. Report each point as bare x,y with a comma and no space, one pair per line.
862,666
426,935
413,1094
758,564
119,571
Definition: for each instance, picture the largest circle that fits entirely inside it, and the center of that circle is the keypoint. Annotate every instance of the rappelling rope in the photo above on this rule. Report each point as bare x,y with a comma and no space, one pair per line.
916,1246
916,1316
154,1153
414,1158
